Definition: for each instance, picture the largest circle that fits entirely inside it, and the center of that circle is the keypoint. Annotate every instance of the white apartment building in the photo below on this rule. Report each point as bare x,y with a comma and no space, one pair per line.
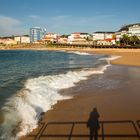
25,39
104,38
76,38
17,39
22,39
103,35
134,30
51,37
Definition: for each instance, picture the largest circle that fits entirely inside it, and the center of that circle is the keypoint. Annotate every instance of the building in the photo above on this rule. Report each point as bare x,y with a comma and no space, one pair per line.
51,37
103,35
131,29
25,39
63,40
22,39
17,39
106,42
104,38
36,34
119,35
134,30
76,38
85,35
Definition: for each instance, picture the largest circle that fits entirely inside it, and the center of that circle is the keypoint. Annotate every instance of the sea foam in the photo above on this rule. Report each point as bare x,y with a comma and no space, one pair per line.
80,53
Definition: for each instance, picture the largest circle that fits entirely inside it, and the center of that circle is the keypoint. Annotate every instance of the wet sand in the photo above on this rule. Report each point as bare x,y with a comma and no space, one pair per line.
115,94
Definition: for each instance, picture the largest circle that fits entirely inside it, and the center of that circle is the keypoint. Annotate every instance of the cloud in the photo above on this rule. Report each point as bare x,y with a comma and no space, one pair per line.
10,26
61,17
8,21
34,16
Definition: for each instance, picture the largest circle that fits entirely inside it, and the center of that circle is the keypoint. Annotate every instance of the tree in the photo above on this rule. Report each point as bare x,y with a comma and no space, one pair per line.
125,39
134,40
65,36
130,40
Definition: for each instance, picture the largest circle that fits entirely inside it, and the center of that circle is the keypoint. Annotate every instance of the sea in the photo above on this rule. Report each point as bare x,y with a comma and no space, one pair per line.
31,81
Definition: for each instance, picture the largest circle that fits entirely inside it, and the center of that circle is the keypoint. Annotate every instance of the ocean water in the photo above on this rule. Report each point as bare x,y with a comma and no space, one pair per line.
30,83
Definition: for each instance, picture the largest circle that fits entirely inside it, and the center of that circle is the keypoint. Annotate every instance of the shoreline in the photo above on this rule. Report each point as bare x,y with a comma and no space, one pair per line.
130,57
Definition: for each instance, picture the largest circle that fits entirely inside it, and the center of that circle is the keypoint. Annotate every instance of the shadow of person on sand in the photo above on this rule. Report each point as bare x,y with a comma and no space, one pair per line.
93,124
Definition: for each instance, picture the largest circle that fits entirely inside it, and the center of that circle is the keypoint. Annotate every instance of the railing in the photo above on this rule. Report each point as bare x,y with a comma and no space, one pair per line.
92,46
138,123
69,130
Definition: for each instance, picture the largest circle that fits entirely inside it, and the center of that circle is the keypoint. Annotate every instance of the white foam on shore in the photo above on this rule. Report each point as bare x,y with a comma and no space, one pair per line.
80,53
111,58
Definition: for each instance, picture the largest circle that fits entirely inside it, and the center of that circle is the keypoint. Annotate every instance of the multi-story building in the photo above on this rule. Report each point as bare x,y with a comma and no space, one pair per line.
104,38
51,37
131,29
134,30
22,39
25,39
76,38
103,35
36,34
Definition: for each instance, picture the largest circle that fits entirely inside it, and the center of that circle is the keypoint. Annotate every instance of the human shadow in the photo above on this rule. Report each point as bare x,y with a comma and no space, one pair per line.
93,124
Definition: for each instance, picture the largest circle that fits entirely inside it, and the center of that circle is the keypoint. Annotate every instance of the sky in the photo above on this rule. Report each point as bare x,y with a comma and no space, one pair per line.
66,16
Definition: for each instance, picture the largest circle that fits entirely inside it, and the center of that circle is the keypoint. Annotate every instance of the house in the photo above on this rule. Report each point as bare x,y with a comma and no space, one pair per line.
76,38
106,42
51,37
104,38
63,40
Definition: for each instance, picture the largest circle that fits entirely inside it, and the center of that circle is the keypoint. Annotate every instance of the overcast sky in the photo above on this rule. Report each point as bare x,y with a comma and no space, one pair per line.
66,16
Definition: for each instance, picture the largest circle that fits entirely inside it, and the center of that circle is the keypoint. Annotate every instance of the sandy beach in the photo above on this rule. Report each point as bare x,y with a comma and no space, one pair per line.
115,94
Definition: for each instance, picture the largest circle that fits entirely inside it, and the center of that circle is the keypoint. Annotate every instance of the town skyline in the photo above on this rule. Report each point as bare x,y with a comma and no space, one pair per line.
66,17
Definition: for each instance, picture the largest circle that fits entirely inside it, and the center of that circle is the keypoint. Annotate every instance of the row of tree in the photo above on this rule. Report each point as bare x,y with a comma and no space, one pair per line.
130,40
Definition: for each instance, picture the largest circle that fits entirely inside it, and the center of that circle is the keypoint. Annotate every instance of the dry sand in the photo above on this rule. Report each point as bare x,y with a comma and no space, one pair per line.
116,95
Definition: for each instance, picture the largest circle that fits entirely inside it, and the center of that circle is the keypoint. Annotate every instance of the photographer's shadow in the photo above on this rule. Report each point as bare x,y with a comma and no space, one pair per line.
93,124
